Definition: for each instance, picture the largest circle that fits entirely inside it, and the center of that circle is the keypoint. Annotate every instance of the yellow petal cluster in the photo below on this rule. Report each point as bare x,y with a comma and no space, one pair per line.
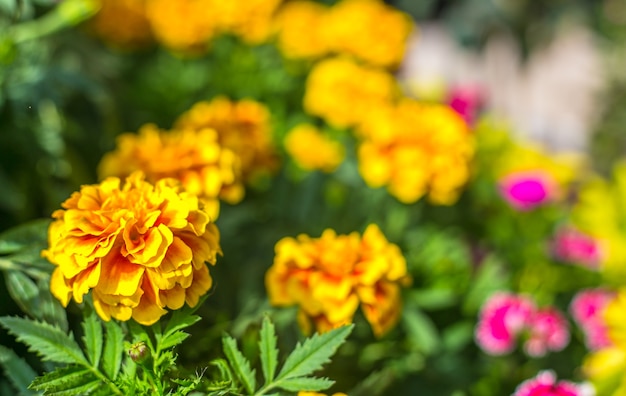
122,23
192,156
139,248
329,277
242,126
368,30
305,393
312,150
250,20
416,149
342,92
606,368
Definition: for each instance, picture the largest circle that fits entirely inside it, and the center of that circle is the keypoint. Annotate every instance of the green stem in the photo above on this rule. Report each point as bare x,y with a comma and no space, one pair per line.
104,379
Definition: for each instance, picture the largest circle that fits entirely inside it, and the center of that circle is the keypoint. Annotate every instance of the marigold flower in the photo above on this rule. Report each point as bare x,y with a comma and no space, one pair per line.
242,126
140,248
587,308
250,20
329,277
122,23
306,393
192,156
545,384
415,149
300,25
342,92
183,25
369,30
312,150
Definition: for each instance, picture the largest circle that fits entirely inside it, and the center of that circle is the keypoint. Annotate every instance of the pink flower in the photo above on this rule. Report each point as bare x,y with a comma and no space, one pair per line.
544,384
502,318
527,190
466,101
574,246
586,309
548,331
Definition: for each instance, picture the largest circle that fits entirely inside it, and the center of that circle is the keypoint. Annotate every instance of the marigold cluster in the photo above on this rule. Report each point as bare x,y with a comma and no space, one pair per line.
329,277
140,248
312,150
342,92
242,126
368,30
122,23
416,149
193,156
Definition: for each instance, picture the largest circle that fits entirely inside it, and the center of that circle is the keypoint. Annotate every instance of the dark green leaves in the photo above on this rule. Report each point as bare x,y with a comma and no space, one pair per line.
239,363
267,347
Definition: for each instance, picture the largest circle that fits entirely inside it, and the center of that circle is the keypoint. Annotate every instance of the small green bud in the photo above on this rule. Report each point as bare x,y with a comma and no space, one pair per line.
139,352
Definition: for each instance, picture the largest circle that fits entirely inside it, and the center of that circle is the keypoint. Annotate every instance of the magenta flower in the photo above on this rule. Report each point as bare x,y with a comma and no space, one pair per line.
586,309
502,318
573,246
467,101
527,190
544,384
548,331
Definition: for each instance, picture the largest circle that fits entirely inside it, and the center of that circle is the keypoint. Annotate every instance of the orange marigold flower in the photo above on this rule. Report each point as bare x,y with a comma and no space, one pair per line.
369,30
416,149
250,20
342,92
122,23
312,150
242,126
329,277
195,157
300,27
140,248
306,393
183,25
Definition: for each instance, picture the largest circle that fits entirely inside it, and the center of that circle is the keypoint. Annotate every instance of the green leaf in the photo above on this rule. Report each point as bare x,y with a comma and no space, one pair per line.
69,380
50,342
313,353
268,350
173,339
17,370
239,363
23,236
93,338
51,309
23,291
181,319
421,330
305,384
113,349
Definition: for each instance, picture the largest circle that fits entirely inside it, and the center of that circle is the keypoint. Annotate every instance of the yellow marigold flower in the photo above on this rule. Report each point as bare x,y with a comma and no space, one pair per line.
242,126
250,20
342,92
122,23
183,25
195,157
140,248
369,30
415,149
300,27
305,393
312,150
329,277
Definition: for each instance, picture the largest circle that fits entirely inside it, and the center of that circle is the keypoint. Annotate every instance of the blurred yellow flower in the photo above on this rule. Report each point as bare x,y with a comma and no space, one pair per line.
416,149
140,248
305,393
186,26
299,26
606,368
343,92
329,277
194,157
369,30
122,23
242,126
250,20
312,150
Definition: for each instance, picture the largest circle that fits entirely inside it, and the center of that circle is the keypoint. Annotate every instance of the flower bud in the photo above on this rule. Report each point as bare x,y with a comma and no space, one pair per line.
139,352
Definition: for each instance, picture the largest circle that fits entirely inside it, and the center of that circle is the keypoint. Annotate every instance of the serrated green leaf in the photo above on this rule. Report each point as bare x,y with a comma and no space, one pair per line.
305,384
180,320
64,379
268,350
23,291
239,363
24,235
113,349
93,338
313,353
17,370
50,342
172,339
